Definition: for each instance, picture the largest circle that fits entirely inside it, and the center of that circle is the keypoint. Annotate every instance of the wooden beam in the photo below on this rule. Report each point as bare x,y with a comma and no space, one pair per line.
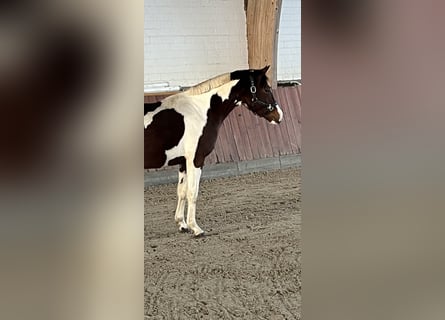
263,18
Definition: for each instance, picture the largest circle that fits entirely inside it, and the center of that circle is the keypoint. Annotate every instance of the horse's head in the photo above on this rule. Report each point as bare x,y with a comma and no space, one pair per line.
256,93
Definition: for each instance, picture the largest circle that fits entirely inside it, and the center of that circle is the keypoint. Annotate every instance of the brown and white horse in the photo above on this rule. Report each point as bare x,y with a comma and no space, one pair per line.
183,128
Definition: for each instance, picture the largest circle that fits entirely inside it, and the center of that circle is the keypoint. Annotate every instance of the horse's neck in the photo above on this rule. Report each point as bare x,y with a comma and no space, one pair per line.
226,107
228,102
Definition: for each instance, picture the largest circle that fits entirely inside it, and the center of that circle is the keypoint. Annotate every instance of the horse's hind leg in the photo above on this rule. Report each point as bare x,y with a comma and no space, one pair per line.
193,176
182,194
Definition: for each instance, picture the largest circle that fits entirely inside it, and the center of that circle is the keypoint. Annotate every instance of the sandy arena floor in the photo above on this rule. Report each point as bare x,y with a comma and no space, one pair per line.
247,267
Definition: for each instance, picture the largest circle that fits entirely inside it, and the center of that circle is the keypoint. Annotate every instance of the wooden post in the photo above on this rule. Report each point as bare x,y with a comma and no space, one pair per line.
263,19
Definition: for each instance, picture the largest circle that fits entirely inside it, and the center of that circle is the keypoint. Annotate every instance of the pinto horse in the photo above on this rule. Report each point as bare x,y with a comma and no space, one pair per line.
183,128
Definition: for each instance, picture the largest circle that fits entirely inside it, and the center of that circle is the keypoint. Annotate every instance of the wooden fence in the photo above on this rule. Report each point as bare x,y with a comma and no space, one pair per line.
244,136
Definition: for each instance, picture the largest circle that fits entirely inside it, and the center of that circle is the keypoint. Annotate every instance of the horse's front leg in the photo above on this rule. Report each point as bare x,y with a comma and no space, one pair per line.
182,195
193,176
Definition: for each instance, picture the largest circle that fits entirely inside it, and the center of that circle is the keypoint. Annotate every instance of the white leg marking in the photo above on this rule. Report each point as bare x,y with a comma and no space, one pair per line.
193,176
182,195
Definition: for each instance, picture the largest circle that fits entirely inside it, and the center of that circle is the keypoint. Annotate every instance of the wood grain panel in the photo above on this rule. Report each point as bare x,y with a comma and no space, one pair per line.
262,19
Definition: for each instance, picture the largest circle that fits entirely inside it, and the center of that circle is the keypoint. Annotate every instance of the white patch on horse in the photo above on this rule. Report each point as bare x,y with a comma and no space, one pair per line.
175,152
280,112
195,118
148,119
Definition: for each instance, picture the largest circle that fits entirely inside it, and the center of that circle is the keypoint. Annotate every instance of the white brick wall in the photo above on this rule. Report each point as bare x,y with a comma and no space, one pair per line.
190,41
289,41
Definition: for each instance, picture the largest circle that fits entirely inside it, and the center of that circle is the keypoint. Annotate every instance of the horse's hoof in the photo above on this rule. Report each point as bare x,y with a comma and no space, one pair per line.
199,235
183,227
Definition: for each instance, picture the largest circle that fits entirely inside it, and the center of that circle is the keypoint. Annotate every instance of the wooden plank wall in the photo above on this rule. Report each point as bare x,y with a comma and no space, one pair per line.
244,136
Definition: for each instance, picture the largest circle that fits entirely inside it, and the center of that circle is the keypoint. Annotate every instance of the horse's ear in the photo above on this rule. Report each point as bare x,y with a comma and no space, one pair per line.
264,70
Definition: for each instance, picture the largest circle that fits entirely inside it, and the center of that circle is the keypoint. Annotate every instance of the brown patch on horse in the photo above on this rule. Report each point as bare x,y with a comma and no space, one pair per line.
163,133
216,114
178,160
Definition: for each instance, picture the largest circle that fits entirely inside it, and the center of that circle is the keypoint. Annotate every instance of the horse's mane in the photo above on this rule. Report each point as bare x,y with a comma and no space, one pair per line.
208,85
